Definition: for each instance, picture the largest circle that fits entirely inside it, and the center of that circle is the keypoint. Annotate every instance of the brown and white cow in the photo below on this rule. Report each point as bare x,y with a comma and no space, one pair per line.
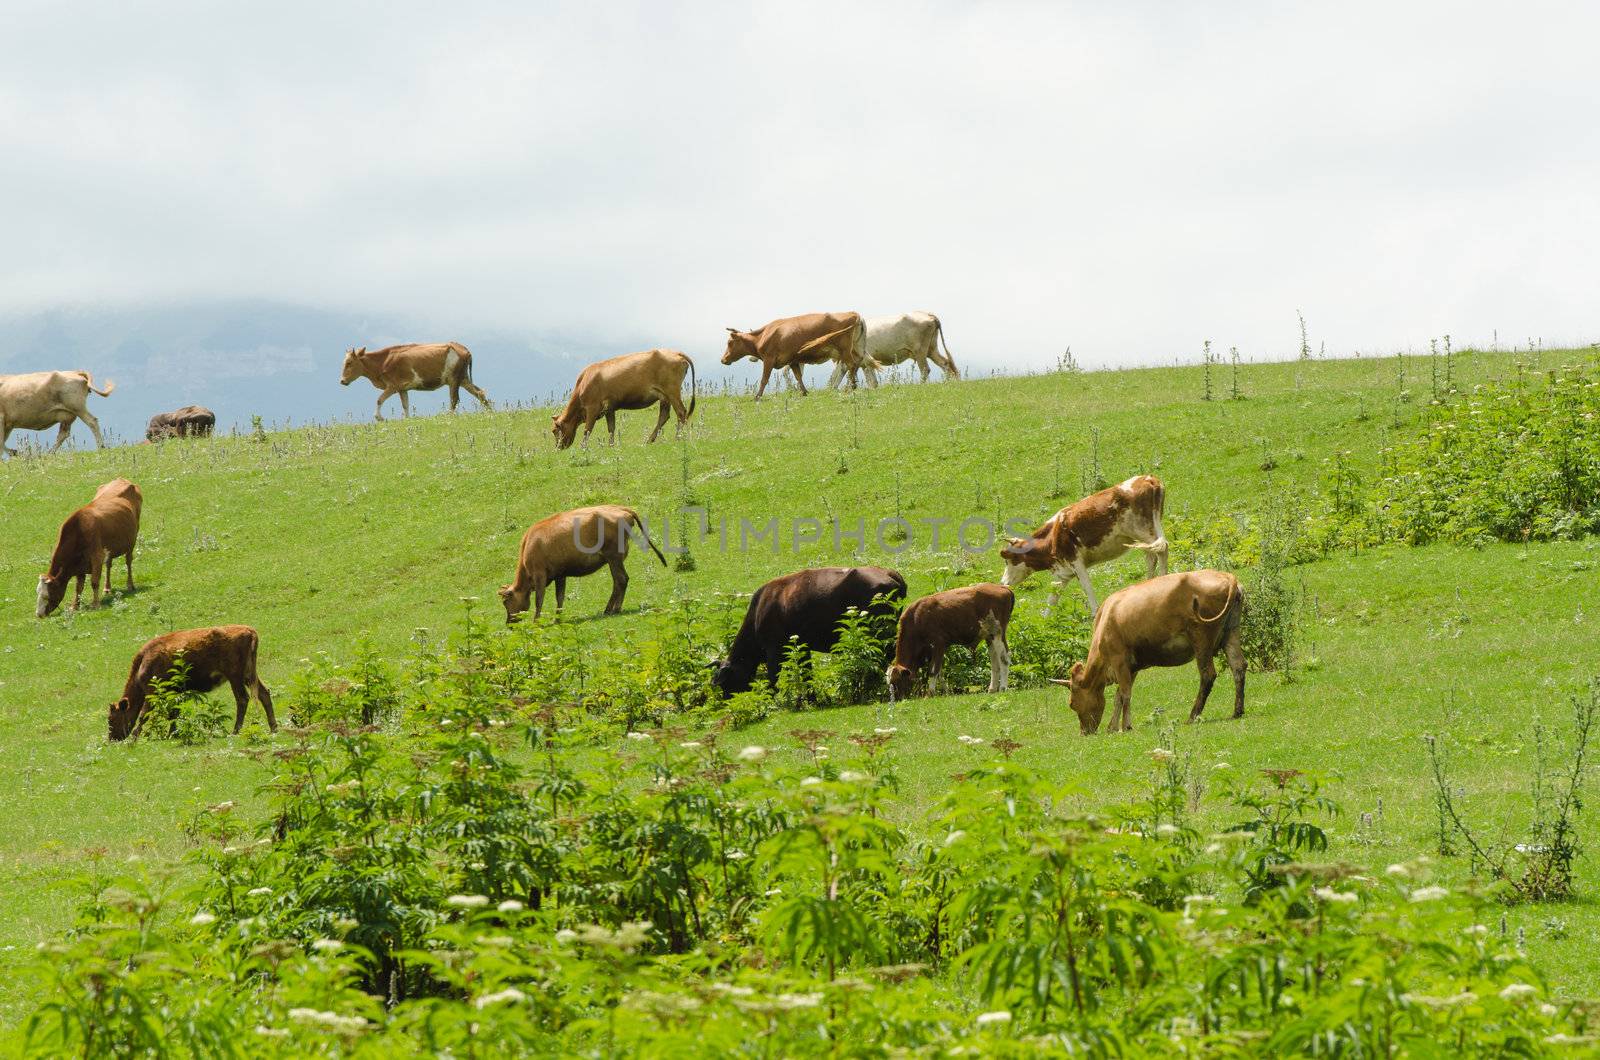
194,421
1095,530
90,538
413,366
931,625
571,545
803,608
794,342
212,655
37,401
914,337
1166,621
632,381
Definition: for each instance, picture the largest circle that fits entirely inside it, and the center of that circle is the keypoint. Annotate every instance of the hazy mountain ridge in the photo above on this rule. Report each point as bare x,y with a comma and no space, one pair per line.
277,361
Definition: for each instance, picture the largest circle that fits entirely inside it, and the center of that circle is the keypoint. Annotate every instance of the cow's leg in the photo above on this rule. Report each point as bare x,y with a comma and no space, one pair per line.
266,704
1235,649
561,593
77,594
838,374
774,666
680,410
872,374
936,672
661,421
455,395
538,596
1123,720
590,418
1208,677
5,436
384,395
611,424
241,699
61,435
922,366
105,570
999,662
472,388
619,586
766,373
405,404
794,370
93,424
1082,572
128,560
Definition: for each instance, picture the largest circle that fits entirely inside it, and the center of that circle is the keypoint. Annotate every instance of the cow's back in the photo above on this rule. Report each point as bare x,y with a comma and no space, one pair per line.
553,542
36,400
784,339
1159,612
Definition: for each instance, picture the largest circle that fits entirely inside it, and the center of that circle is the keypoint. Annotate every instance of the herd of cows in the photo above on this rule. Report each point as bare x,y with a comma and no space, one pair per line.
1165,620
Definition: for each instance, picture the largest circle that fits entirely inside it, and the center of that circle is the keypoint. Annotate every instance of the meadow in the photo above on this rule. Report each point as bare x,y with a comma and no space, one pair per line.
338,540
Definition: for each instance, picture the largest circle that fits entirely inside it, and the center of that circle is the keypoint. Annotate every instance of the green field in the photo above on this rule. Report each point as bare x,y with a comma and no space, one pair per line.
324,537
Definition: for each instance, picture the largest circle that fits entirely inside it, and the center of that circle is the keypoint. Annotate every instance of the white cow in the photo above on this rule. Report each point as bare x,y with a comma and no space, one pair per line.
906,337
37,401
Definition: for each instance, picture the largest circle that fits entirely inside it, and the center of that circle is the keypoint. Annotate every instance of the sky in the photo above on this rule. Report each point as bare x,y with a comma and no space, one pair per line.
1125,179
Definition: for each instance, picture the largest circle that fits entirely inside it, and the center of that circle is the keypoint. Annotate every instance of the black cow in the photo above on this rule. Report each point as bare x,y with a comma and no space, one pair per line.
195,420
806,605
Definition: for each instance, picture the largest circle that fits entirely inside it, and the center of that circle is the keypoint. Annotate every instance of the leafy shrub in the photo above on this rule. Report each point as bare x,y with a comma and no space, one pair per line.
185,717
1045,646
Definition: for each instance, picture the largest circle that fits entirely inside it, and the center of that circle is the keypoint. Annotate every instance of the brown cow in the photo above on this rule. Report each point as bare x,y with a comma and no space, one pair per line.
190,421
571,545
934,623
1165,621
414,366
37,401
213,655
632,381
91,537
794,342
1098,528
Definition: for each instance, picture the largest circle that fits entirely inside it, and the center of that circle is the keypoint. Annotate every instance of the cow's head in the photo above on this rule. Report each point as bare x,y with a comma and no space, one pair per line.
352,365
741,344
516,601
565,429
730,678
899,679
51,591
1088,699
1022,556
120,720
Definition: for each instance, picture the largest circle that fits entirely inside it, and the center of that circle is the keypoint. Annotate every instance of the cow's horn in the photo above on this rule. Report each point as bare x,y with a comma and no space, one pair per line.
1061,681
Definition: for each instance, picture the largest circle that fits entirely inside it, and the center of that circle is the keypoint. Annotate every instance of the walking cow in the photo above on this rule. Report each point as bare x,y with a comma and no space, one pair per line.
892,340
794,342
37,401
632,381
415,366
571,545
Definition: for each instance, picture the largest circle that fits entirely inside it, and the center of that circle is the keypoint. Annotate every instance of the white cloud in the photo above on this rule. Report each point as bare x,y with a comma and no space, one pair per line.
1126,179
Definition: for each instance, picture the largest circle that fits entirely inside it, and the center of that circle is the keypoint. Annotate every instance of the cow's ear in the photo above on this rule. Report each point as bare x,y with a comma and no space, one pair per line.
362,352
505,591
1077,674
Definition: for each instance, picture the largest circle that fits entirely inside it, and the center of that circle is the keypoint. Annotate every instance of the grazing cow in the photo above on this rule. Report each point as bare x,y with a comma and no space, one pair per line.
571,545
191,420
795,342
1165,621
37,401
1097,529
213,655
91,537
414,366
934,623
632,381
908,337
807,606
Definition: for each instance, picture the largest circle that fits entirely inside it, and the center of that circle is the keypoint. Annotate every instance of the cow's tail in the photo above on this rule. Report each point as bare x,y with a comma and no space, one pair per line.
87,378
938,326
694,387
867,360
633,517
1227,605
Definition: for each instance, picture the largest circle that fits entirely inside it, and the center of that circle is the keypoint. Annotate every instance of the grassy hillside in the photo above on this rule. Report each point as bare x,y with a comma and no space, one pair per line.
323,538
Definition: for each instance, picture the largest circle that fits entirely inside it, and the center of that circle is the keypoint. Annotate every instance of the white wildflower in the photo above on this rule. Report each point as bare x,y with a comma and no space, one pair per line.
690,745
1518,991
1167,830
970,741
1548,1009
638,736
510,993
890,731
1161,754
346,924
850,776
1399,872
736,855
202,918
987,1018
510,905
1221,765
1477,931
793,1001
752,754
272,1032
1328,894
810,782
258,892
1429,894
566,935
467,901
954,837
327,945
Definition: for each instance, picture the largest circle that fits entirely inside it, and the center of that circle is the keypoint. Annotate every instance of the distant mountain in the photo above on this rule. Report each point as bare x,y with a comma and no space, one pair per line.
256,358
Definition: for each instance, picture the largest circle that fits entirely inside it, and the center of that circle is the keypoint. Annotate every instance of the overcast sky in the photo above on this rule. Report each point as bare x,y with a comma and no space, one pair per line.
1126,178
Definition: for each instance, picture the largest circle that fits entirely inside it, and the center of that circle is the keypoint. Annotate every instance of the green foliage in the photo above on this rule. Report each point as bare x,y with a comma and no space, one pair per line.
173,713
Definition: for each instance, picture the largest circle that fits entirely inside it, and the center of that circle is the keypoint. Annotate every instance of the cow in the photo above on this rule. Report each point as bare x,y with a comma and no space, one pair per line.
91,537
414,366
190,421
37,401
804,608
1166,621
962,617
795,342
892,340
571,545
1095,530
212,655
632,381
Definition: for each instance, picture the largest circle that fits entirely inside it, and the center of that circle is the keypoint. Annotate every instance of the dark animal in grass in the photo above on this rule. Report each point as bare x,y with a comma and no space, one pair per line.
1166,621
191,421
932,625
632,381
571,545
91,537
807,606
212,655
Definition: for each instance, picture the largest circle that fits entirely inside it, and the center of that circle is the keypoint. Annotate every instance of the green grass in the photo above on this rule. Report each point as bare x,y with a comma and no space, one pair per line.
326,536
